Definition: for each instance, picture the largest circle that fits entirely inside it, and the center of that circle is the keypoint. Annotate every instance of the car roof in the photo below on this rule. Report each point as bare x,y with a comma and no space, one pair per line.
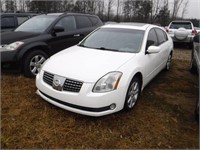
182,21
68,13
18,14
132,25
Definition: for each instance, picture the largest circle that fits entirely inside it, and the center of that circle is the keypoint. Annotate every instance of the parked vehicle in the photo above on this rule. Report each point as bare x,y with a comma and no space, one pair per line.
10,21
181,31
106,72
42,36
195,66
195,59
197,29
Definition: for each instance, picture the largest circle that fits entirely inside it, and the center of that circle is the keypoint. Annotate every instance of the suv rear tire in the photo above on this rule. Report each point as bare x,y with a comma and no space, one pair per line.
32,62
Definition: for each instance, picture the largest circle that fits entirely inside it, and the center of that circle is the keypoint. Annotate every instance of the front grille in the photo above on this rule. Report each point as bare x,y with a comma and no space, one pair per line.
69,85
48,78
72,86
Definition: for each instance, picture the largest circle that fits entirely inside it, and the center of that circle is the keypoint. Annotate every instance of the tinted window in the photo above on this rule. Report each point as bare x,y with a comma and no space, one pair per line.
68,23
122,40
83,22
94,21
161,36
177,25
21,19
152,39
7,22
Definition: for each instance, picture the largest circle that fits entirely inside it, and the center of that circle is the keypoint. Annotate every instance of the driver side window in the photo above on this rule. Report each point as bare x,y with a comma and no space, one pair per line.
152,39
68,23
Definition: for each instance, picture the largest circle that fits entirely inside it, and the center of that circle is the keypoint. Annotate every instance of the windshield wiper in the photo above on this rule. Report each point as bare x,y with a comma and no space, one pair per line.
81,45
103,48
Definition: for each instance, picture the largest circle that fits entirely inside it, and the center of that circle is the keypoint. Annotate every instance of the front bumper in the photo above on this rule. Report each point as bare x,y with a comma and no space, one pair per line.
85,102
8,56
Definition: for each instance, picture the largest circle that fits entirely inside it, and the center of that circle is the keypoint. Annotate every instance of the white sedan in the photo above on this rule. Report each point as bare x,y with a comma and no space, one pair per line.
106,71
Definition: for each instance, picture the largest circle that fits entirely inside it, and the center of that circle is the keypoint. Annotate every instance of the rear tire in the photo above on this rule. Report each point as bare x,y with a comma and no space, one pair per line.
132,94
169,61
32,62
193,68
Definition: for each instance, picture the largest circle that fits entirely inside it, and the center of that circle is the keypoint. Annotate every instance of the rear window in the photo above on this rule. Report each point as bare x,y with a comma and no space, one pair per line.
83,22
177,25
94,21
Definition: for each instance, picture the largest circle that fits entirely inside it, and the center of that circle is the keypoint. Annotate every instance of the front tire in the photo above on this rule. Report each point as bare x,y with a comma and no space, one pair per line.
132,94
33,61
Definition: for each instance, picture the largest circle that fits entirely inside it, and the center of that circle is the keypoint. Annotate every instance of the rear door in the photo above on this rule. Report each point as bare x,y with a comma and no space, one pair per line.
164,46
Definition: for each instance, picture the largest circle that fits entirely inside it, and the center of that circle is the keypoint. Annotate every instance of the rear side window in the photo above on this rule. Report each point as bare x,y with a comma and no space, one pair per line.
152,39
21,19
83,22
177,25
94,21
162,37
7,22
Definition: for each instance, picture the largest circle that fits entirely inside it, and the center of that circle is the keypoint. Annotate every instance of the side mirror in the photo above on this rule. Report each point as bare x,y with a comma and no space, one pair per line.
57,29
153,49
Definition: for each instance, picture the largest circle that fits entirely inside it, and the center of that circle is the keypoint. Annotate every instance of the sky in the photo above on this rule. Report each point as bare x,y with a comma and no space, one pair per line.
193,9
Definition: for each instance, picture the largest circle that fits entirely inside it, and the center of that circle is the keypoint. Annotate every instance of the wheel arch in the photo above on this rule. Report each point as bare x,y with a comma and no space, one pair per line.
39,46
140,77
25,53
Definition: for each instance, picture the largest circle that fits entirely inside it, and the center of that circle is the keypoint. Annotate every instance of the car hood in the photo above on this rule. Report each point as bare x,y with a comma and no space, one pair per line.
10,37
84,64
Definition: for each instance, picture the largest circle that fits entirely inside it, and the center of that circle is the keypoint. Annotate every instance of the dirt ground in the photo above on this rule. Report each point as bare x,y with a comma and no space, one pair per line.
163,117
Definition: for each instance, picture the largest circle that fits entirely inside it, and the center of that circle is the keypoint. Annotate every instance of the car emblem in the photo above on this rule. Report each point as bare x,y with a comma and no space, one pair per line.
57,84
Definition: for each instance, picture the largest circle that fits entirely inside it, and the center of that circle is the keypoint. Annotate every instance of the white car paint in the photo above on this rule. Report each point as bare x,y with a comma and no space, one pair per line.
89,65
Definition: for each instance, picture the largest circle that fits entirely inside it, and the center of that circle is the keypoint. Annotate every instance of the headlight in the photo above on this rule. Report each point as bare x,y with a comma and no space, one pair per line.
107,83
14,45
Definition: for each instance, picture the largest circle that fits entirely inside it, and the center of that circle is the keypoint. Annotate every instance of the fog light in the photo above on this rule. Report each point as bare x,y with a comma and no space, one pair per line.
112,106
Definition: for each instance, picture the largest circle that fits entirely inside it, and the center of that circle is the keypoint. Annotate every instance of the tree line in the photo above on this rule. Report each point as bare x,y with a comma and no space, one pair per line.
148,11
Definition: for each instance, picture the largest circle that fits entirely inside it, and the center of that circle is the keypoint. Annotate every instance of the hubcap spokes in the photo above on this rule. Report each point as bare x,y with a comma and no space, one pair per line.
133,94
36,63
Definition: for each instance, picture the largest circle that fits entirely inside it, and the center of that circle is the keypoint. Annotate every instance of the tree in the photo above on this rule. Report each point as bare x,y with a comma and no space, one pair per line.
46,6
164,16
10,6
68,5
184,11
2,3
144,11
176,7
109,9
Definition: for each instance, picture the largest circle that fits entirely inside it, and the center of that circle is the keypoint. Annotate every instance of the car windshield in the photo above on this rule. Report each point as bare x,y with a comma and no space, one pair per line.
115,39
177,25
37,24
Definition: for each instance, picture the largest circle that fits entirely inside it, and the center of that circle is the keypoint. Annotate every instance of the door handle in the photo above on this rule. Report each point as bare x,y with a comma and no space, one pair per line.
76,35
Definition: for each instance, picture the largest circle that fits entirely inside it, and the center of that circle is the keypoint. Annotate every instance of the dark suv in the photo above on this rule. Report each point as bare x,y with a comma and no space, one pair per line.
10,21
42,36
